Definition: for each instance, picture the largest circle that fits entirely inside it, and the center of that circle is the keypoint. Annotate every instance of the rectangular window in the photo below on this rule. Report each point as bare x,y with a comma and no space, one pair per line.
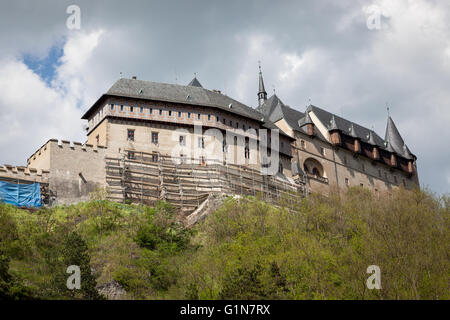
131,155
112,106
247,153
179,114
142,109
237,125
151,110
155,137
361,185
154,157
182,141
131,109
170,113
130,134
183,158
198,116
347,183
231,123
160,111
302,145
189,115
209,117
121,107
322,151
217,119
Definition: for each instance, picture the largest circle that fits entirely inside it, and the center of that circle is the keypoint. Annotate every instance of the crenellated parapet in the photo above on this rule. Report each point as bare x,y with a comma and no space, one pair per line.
23,174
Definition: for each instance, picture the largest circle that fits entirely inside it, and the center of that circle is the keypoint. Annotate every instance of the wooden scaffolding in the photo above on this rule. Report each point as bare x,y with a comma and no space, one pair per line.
187,182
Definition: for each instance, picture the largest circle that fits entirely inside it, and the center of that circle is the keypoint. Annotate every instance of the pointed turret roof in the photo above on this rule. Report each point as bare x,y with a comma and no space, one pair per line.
393,136
406,153
371,139
195,83
333,124
352,131
261,83
305,120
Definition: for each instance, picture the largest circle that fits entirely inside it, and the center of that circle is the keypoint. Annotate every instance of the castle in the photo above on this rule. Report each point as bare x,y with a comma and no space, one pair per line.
148,140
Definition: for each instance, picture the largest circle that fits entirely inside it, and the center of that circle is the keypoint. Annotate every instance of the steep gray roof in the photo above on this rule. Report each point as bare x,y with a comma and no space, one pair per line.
165,92
393,136
195,83
345,126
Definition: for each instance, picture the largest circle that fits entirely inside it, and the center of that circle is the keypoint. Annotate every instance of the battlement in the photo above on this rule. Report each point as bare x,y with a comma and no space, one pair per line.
23,174
41,156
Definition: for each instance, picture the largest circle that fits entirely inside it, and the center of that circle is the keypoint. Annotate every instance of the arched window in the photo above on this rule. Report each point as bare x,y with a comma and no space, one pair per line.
314,167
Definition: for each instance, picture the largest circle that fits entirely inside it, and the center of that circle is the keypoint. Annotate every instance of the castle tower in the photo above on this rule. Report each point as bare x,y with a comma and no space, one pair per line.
262,94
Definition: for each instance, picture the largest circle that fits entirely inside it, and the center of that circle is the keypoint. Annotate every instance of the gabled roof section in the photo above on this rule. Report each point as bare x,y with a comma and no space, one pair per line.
195,83
274,109
394,137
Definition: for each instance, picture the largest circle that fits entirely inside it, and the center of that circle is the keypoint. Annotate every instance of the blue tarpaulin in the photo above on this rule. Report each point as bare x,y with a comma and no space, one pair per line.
22,195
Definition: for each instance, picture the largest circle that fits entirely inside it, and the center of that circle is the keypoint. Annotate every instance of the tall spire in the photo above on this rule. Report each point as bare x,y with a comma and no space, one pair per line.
262,94
393,136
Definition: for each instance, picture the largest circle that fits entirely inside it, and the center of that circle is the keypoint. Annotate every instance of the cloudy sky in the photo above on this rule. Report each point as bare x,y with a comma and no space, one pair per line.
334,53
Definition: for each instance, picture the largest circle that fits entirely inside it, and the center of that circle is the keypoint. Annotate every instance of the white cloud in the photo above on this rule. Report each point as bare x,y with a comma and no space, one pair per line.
31,112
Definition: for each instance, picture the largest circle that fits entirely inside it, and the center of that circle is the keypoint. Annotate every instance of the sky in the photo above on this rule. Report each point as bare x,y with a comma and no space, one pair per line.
353,58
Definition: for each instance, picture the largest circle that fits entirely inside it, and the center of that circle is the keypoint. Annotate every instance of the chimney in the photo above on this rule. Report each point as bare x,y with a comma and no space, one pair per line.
133,77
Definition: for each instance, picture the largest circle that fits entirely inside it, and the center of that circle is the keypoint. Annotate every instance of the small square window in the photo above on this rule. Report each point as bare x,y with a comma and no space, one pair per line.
131,155
154,158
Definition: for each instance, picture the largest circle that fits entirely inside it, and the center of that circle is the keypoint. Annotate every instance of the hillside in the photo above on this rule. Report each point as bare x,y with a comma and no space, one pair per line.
320,248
